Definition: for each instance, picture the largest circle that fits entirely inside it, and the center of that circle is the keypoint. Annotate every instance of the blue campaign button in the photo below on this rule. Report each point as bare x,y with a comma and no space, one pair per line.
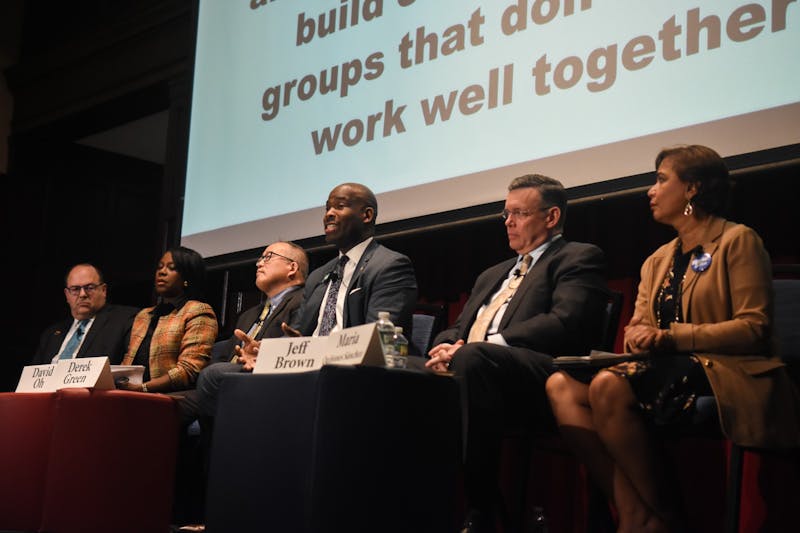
701,262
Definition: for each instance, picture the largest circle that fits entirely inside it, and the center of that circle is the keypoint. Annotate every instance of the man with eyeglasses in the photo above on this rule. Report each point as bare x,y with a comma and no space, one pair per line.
281,272
364,279
545,302
96,327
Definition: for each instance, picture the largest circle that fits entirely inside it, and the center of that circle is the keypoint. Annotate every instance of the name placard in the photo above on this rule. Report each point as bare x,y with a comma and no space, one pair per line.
285,355
359,345
37,378
86,372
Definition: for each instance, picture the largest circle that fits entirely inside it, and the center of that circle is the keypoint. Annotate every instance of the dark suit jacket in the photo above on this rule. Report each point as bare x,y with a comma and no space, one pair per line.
286,311
383,281
557,309
109,335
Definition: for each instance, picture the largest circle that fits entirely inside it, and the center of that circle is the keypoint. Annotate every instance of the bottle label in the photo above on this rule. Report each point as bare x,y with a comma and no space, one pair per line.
387,342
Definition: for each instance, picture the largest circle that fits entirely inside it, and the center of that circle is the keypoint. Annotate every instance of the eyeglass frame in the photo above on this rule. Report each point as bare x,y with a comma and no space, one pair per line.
505,214
265,258
89,288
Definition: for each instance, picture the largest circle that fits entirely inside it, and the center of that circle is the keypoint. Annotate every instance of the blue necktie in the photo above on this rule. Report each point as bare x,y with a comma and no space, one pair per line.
74,341
329,313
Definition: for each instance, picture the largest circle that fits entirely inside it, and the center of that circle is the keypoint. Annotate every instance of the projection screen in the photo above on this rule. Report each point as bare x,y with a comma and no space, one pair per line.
436,105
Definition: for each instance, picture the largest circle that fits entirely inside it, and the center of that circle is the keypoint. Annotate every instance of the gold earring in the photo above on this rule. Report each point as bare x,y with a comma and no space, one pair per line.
185,283
689,209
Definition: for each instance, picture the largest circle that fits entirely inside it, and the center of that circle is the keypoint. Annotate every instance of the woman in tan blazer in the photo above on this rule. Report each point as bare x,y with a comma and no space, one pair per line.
704,315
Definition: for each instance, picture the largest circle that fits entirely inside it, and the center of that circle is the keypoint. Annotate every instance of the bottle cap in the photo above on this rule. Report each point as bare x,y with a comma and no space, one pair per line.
398,329
383,314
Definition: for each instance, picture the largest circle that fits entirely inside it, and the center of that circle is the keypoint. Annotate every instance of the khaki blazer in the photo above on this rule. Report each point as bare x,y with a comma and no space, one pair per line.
728,318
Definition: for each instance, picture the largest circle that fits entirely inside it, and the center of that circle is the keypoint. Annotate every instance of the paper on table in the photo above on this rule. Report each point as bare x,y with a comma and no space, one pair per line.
134,373
597,358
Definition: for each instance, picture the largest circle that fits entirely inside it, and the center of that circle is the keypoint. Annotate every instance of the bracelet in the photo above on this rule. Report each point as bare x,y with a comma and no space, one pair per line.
144,387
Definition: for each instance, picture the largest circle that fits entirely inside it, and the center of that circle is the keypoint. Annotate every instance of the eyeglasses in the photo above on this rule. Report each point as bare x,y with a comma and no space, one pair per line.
267,256
75,290
519,213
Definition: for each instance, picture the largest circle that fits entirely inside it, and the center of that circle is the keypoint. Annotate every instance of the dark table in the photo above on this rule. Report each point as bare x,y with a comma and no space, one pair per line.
342,449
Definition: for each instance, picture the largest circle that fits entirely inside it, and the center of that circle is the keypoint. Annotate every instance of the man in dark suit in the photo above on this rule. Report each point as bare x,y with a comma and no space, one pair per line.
96,327
367,276
280,274
549,301
362,280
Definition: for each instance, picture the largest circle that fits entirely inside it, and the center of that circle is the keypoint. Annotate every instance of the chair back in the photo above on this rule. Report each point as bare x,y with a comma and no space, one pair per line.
428,320
422,334
611,321
787,318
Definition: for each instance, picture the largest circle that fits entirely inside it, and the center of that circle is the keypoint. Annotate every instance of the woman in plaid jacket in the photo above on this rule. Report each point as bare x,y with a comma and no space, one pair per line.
173,339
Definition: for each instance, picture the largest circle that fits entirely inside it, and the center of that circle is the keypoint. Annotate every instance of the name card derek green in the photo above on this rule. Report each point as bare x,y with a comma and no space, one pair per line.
87,372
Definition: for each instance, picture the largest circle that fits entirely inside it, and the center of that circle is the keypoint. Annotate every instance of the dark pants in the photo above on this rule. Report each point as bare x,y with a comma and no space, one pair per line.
502,390
201,401
198,404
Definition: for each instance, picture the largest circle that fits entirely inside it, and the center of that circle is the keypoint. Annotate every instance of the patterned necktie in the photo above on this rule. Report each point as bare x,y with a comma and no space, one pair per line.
329,313
74,341
481,325
256,329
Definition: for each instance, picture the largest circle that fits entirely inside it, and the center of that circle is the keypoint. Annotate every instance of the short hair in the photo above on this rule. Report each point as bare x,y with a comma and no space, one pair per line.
705,168
366,195
89,265
299,256
192,268
551,190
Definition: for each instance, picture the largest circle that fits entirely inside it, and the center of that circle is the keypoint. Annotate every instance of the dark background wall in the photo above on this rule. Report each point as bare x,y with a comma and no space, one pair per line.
78,68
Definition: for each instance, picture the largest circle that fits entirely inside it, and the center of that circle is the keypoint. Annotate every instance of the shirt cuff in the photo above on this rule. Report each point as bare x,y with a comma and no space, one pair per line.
497,338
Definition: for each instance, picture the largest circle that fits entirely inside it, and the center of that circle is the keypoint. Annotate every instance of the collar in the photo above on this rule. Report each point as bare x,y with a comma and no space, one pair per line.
89,322
176,303
276,300
355,253
537,252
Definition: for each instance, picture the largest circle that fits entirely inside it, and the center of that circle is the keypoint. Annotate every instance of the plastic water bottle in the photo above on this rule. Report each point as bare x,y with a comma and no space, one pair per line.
400,348
386,334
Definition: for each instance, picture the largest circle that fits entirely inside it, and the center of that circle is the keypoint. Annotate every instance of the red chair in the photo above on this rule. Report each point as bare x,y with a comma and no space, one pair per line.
26,421
86,461
111,463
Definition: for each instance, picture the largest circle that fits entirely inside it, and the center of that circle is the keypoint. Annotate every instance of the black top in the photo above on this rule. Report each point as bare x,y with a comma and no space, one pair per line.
669,298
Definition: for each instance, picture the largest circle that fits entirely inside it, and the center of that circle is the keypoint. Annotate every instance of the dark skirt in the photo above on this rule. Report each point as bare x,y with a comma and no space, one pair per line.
666,386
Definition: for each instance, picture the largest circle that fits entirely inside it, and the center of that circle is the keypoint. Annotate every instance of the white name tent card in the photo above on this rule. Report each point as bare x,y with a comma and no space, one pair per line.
37,378
285,355
85,372
359,345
